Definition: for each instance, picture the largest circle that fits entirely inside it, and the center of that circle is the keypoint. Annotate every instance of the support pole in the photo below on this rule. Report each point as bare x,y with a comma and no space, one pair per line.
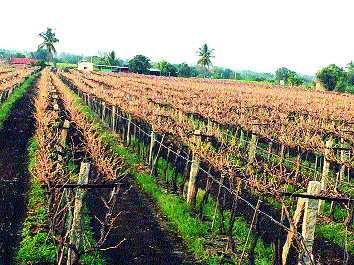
342,158
296,220
77,226
152,143
325,172
128,129
103,110
192,184
114,118
253,147
309,223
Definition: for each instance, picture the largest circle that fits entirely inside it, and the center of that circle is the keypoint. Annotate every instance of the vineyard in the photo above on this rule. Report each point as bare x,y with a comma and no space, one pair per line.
243,173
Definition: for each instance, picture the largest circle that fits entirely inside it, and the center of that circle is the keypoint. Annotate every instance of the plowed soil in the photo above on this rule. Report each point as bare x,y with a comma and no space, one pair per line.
17,129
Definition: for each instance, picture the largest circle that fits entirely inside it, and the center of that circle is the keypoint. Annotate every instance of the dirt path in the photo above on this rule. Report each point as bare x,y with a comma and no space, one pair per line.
14,137
148,242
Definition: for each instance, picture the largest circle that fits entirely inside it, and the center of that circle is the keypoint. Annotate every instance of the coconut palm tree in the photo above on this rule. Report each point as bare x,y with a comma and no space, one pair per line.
205,54
49,40
111,59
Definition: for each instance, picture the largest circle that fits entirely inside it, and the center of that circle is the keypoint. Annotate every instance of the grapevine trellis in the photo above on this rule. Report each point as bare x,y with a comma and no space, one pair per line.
134,130
11,77
98,169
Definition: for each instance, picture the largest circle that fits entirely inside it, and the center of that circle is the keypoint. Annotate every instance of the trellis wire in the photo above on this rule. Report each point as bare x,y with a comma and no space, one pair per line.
226,188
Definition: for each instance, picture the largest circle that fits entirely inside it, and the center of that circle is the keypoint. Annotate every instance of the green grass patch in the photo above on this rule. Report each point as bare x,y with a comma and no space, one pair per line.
64,65
336,233
36,247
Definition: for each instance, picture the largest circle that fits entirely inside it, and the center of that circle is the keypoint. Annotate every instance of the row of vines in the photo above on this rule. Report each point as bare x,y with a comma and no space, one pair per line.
66,149
271,139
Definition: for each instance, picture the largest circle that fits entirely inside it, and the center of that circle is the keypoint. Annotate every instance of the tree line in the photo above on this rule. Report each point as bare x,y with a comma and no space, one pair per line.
333,77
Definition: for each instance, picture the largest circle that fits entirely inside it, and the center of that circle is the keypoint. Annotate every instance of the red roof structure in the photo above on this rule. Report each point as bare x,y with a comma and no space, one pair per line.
23,60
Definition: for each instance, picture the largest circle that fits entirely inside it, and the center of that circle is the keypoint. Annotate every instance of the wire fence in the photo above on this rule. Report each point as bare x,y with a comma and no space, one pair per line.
215,180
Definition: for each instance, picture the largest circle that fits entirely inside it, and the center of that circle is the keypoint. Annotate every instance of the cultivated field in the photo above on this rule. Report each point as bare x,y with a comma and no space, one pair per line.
226,163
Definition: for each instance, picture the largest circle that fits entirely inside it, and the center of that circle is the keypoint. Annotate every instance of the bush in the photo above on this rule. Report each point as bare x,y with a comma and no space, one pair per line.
41,63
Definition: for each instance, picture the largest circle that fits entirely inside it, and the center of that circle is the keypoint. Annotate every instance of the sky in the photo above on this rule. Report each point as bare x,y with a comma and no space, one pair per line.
259,35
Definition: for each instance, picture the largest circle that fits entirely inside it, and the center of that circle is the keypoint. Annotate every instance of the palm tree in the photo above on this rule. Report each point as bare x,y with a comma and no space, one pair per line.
111,59
48,42
205,54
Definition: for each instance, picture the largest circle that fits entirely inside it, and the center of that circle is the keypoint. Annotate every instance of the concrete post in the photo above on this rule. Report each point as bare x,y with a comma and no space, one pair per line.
309,222
64,133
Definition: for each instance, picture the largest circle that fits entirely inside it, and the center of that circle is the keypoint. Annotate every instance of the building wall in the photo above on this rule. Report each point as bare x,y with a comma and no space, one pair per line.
319,86
85,66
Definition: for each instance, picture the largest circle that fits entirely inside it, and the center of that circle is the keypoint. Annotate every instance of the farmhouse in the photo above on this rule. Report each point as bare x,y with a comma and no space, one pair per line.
85,66
155,72
23,61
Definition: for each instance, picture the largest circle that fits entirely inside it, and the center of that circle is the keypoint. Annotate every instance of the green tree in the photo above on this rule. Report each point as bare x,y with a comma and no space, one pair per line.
350,73
282,73
184,70
205,56
70,58
166,68
49,40
195,70
331,76
40,55
294,79
110,58
18,55
140,64
221,73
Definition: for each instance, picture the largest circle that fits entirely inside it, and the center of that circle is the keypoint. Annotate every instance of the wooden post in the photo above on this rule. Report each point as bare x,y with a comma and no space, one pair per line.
103,110
192,184
282,155
77,226
342,158
114,118
296,220
269,152
325,172
210,126
242,135
62,139
298,164
253,148
180,116
128,129
309,223
152,143
230,246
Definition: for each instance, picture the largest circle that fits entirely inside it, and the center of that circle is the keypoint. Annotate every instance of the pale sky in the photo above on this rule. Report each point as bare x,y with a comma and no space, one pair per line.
261,35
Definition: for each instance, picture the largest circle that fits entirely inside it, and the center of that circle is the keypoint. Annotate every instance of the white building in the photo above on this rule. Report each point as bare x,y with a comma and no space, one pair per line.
85,66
